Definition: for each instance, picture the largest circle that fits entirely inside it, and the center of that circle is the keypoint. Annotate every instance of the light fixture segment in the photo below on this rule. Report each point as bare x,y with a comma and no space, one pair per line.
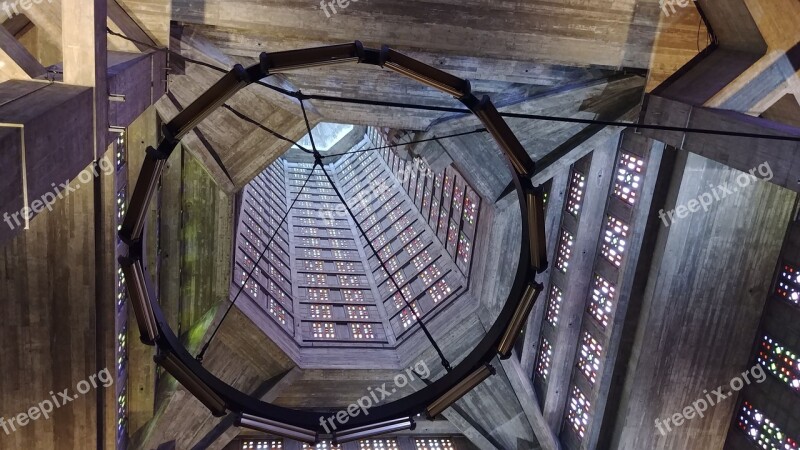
519,320
277,428
140,299
538,242
410,67
192,383
310,57
461,389
376,429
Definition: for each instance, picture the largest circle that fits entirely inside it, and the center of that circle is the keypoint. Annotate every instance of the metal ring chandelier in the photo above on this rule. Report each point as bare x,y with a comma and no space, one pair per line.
304,425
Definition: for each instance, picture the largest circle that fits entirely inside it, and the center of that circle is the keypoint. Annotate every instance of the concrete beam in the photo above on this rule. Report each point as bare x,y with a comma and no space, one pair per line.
41,123
84,51
139,80
677,354
744,154
577,280
129,27
15,60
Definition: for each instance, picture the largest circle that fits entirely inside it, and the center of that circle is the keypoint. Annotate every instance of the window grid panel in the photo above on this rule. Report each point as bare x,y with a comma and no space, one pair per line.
615,238
589,357
352,295
780,361
578,413
576,188
439,291
545,357
407,318
601,304
323,330
788,287
324,445
378,444
357,312
434,444
277,311
554,305
272,444
629,177
565,244
763,431
321,311
362,331
319,295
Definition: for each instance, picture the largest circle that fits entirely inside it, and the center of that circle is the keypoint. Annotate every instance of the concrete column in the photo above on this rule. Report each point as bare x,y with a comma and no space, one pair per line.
705,291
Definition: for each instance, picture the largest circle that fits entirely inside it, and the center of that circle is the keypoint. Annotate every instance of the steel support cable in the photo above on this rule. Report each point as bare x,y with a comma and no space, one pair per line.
479,130
265,128
318,162
445,362
299,96
255,267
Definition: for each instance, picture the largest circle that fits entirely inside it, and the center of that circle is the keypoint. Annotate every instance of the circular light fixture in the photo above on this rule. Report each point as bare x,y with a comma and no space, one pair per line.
304,425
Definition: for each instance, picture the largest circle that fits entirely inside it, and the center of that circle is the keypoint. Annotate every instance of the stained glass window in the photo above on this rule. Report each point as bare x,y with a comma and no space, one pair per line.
318,294
576,188
615,238
565,244
322,445
122,293
578,413
780,361
415,246
544,359
788,287
439,291
339,243
362,331
378,444
313,253
316,279
554,305
407,317
349,280
318,266
589,356
763,431
352,295
323,330
345,266
277,311
321,311
122,203
407,235
464,249
357,312
271,444
601,304
429,275
629,178
434,444
397,279
422,260
310,242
